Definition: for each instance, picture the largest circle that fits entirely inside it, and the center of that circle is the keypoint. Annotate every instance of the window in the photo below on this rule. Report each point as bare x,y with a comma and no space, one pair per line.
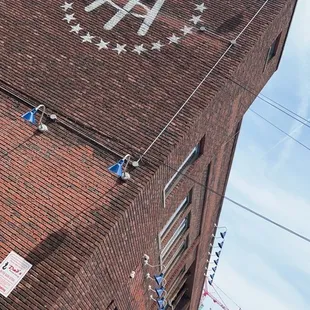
177,234
181,249
193,155
180,209
273,48
179,282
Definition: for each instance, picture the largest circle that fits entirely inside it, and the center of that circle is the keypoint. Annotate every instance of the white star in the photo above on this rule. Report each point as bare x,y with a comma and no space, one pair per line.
173,39
139,49
200,7
102,44
76,28
67,6
87,38
187,30
157,46
68,18
119,48
195,19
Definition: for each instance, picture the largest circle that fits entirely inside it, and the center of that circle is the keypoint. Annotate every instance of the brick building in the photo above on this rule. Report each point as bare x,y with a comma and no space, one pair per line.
115,78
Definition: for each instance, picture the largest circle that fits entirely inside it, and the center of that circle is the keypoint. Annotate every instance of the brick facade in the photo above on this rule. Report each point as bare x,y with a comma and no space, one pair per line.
83,230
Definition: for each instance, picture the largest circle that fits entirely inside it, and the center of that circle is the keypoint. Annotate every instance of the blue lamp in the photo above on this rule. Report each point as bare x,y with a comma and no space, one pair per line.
117,168
220,244
212,276
223,234
216,261
30,117
161,303
159,278
210,282
160,291
216,254
214,269
120,168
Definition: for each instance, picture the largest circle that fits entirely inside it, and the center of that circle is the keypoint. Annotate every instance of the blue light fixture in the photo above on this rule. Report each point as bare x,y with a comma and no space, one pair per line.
159,278
216,261
30,117
218,253
117,168
212,276
220,244
161,303
214,269
120,168
160,291
210,282
223,234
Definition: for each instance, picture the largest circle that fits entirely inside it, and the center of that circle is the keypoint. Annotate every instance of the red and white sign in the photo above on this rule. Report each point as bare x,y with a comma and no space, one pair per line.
12,270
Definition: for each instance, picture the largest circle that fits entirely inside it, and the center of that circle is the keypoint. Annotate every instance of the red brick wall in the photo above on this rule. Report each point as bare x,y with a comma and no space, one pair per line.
105,277
103,281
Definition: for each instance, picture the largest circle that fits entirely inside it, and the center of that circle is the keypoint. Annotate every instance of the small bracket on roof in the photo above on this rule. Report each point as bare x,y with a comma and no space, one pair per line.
135,164
233,42
53,117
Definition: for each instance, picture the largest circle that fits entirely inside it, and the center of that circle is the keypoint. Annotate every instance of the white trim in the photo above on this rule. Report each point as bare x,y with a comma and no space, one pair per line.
175,236
195,149
172,218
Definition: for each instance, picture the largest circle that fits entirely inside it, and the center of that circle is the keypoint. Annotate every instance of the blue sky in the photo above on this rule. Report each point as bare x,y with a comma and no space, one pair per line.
262,267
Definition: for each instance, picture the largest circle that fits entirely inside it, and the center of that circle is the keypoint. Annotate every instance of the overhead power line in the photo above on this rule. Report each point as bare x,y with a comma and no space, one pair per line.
213,284
220,297
260,96
275,126
242,206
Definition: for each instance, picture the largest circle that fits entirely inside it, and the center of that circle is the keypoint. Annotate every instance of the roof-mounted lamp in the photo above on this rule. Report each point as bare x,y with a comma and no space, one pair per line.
30,117
161,302
222,235
217,254
159,291
120,168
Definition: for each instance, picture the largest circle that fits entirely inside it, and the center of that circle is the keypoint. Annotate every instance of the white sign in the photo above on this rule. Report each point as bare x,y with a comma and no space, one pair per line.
148,17
12,270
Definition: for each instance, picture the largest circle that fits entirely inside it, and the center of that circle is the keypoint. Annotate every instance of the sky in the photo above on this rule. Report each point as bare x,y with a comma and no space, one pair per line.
262,266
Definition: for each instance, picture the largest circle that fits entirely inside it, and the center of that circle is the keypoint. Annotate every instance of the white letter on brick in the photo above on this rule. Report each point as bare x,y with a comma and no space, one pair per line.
148,17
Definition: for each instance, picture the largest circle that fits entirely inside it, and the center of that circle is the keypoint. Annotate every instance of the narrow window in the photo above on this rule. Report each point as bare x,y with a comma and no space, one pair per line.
179,232
180,209
273,49
178,253
192,156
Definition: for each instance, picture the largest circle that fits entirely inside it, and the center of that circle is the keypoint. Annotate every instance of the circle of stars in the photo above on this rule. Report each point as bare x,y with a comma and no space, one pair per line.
67,7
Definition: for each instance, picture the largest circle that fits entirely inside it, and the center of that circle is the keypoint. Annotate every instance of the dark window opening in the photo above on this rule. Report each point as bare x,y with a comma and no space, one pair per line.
273,49
192,156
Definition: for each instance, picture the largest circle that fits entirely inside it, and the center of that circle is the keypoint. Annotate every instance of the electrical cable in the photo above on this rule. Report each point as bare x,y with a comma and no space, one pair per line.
202,81
267,219
275,126
282,140
225,294
273,105
220,297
